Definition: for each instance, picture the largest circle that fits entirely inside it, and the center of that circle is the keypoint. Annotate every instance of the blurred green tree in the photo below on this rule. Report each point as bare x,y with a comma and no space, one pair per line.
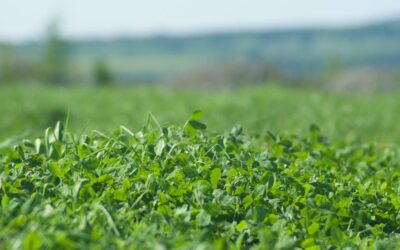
102,74
55,55
7,73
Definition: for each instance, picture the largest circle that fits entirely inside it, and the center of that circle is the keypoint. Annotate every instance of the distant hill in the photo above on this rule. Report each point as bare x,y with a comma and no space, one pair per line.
300,52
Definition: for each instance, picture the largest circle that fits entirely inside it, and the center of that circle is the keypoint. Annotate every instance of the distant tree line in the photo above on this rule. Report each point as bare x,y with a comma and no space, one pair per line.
53,67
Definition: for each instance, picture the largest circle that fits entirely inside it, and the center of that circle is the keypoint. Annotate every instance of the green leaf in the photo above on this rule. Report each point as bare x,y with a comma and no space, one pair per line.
196,115
242,225
197,125
193,124
38,143
120,195
59,131
247,201
314,247
56,170
4,200
313,228
190,130
32,241
203,219
215,176
159,147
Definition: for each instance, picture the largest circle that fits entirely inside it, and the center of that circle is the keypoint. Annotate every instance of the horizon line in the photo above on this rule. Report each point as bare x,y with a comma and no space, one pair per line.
328,26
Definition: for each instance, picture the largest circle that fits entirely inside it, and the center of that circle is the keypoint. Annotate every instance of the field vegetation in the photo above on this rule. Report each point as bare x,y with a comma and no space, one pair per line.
171,180
342,117
180,187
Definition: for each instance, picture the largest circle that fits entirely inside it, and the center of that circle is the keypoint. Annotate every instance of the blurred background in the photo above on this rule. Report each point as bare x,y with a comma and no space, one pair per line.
268,65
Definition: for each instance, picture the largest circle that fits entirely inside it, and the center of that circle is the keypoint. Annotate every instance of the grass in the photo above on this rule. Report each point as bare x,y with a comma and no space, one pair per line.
343,118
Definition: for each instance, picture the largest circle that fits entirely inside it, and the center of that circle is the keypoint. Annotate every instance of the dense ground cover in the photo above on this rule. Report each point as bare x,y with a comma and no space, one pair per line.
184,187
27,111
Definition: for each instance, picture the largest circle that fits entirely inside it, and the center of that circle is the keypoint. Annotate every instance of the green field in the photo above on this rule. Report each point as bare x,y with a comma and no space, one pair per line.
27,111
306,169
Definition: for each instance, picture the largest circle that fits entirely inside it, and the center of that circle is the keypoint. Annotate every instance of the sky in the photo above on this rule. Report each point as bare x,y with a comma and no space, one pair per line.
22,20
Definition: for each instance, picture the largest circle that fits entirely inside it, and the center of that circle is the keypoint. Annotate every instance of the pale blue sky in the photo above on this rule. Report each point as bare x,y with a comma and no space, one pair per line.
22,19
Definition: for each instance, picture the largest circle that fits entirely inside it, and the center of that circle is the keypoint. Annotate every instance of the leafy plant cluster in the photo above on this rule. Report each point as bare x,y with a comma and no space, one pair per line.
184,188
